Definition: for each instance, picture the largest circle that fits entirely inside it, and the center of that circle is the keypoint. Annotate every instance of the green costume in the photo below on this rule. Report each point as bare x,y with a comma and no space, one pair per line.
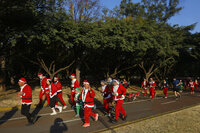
78,101
181,86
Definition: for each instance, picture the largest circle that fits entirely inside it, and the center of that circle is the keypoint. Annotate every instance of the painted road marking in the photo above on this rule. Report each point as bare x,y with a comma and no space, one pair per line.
168,102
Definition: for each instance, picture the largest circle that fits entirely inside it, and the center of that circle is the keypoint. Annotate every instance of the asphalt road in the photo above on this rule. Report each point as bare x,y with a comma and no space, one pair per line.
12,121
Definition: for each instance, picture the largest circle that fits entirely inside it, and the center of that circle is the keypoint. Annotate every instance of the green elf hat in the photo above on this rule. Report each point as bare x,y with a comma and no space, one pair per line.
77,89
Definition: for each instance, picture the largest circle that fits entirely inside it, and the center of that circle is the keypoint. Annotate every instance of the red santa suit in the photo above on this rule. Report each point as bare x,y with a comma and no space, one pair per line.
152,86
74,85
26,97
87,96
59,93
196,83
44,89
144,85
106,97
118,95
52,94
191,85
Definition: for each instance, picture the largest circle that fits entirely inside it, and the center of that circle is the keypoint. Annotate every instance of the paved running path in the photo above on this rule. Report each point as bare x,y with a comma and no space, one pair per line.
13,121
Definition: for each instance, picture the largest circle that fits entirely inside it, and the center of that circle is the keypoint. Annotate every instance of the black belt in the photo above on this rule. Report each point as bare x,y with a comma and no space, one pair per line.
88,102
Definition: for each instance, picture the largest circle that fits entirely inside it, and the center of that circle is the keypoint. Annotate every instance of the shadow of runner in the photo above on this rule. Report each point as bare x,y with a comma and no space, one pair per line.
58,127
99,105
8,115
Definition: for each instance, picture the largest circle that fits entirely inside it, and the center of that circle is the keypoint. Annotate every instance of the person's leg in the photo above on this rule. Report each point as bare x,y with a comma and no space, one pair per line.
117,107
72,98
77,109
166,92
145,91
121,108
40,96
153,93
61,98
86,114
47,97
52,105
25,111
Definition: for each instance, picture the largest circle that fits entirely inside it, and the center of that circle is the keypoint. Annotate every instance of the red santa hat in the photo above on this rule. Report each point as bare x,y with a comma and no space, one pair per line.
116,81
86,82
73,75
56,77
22,80
39,74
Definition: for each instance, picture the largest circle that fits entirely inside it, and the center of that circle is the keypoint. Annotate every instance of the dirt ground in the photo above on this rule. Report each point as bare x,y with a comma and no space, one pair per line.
184,121
11,99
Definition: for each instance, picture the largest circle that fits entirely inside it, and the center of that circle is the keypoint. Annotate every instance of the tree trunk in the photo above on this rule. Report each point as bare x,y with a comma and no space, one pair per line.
2,74
78,72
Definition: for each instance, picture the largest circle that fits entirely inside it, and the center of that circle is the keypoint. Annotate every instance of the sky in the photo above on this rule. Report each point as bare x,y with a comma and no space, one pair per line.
190,13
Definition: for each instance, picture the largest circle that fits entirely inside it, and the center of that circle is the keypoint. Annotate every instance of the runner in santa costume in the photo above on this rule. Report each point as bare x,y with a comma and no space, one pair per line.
144,85
74,85
152,86
59,92
44,88
118,92
26,100
165,88
196,83
53,97
87,96
191,85
106,97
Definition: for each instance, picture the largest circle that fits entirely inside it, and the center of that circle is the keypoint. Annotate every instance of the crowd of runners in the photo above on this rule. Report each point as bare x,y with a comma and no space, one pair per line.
113,93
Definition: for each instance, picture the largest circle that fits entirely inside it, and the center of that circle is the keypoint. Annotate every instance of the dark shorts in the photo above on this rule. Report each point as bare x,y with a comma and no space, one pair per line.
176,89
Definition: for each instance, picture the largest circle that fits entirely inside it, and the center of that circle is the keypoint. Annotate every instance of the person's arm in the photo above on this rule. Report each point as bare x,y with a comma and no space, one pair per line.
91,92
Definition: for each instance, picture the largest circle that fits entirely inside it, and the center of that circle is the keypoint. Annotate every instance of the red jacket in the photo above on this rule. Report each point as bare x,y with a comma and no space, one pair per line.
144,84
26,96
192,84
88,98
59,86
197,82
52,90
44,85
118,92
106,93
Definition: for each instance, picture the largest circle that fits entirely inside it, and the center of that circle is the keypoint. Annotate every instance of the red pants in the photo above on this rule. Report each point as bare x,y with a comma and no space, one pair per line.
152,92
196,86
41,95
72,97
87,114
106,104
191,89
165,90
118,107
59,95
145,92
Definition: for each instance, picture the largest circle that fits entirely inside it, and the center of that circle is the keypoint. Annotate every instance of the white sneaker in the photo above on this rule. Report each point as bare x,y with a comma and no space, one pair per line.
60,109
54,113
64,107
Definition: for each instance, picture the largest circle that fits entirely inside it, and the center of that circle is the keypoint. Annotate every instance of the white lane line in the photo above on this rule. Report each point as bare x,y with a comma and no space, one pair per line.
168,102
67,121
19,118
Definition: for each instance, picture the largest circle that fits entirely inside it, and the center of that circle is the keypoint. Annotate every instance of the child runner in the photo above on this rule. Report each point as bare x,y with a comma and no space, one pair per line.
181,86
78,101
